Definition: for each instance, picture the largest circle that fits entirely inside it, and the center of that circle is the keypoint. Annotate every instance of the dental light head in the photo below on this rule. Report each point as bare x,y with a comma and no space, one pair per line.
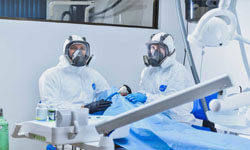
216,28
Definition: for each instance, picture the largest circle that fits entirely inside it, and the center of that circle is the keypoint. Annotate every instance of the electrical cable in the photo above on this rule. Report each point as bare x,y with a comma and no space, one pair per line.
201,64
107,9
185,50
64,14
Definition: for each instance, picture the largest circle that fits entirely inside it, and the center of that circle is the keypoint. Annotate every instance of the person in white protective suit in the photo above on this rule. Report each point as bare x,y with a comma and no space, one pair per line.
72,83
162,76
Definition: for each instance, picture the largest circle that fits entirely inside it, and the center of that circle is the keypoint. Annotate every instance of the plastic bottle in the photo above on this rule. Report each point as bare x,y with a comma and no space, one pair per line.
52,113
4,132
41,112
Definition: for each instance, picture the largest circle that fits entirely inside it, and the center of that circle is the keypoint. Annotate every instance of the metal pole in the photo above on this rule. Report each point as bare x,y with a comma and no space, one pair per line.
189,53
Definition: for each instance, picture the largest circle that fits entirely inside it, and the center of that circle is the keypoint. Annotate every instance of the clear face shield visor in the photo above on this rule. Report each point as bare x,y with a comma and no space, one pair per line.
156,55
78,49
157,51
78,53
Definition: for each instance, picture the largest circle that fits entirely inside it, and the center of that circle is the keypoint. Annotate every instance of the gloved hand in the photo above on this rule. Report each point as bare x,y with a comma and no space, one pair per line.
136,97
50,147
96,106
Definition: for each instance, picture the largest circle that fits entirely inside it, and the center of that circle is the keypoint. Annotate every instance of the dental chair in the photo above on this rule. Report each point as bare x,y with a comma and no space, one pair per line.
199,113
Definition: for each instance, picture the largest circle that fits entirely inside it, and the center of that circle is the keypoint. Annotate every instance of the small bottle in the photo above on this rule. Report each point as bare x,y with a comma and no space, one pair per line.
41,111
52,112
4,132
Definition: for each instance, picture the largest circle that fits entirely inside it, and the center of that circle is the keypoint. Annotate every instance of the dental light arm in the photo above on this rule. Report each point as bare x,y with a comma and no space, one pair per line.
208,22
179,98
216,28
241,39
224,4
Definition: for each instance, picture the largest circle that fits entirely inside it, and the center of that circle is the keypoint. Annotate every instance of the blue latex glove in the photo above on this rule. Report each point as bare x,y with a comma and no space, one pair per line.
50,147
136,97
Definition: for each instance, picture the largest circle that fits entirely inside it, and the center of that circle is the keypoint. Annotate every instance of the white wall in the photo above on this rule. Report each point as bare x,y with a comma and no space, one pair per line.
29,48
227,59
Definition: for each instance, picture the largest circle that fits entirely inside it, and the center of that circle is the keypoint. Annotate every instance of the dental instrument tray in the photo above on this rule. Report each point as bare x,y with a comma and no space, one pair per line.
46,131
